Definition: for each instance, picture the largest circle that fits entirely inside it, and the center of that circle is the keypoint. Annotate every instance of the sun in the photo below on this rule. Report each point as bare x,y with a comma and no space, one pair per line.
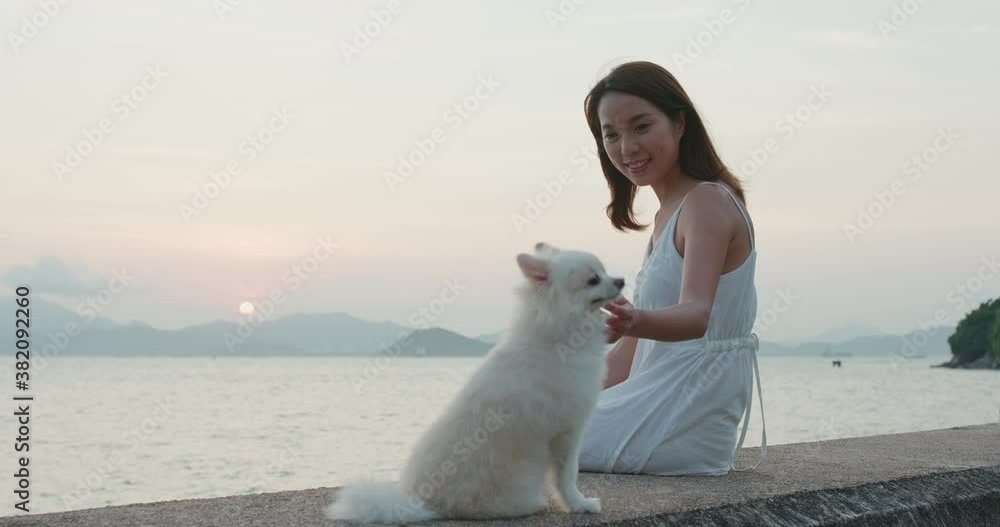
246,308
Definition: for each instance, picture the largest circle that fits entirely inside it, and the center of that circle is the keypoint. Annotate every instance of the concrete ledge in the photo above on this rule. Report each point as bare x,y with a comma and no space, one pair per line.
966,497
947,477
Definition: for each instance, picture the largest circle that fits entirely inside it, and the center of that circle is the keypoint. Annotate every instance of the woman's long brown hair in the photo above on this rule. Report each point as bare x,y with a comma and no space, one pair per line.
696,154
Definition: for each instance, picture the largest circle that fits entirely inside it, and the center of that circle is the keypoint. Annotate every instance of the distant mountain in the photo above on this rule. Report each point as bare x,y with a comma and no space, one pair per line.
775,348
914,344
202,340
870,346
848,332
491,338
48,316
437,342
339,334
298,334
330,333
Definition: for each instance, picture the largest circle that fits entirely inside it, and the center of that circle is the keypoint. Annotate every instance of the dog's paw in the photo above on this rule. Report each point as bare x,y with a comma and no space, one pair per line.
586,505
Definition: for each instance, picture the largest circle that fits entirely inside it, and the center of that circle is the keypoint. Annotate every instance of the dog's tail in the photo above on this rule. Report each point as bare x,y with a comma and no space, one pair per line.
378,502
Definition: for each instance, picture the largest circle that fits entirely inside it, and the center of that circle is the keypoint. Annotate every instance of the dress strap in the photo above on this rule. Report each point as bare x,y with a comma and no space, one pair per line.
746,416
671,225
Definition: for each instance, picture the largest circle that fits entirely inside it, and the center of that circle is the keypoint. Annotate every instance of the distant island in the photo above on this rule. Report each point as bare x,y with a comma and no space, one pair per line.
975,344
59,331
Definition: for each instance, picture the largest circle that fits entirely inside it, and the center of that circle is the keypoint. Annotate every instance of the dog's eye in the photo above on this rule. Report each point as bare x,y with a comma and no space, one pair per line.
594,280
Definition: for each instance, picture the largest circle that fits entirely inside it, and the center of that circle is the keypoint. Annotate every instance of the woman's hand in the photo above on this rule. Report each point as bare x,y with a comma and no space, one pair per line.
623,319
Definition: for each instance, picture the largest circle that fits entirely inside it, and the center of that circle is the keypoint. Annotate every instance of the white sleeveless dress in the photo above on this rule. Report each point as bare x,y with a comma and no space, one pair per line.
679,410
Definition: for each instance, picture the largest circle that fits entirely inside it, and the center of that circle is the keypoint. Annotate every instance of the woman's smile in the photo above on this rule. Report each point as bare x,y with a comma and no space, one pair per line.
637,167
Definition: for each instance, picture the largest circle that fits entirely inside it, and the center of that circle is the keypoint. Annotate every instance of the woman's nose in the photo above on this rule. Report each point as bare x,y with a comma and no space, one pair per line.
628,146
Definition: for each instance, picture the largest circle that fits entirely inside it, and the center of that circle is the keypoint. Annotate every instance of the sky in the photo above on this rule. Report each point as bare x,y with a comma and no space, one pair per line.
171,160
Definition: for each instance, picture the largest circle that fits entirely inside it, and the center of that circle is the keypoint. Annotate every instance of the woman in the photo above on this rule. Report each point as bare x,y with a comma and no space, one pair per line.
681,375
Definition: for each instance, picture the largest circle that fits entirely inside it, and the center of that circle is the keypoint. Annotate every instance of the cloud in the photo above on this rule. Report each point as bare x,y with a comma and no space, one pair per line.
50,274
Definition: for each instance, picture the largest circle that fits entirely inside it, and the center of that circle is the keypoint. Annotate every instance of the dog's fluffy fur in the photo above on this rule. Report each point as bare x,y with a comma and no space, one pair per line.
514,429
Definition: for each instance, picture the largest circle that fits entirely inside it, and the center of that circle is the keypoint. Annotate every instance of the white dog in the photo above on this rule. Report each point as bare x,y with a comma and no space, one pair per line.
515,427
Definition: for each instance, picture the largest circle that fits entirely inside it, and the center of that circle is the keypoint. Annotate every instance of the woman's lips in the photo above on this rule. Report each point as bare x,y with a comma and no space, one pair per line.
635,169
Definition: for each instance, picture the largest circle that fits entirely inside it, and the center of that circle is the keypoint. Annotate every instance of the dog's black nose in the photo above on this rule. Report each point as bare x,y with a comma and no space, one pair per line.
620,283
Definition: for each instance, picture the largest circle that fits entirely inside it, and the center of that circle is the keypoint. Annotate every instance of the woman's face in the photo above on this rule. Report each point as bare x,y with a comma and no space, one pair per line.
640,139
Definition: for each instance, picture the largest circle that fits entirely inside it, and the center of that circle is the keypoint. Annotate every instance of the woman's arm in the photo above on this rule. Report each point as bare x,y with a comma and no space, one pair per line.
707,230
682,321
619,361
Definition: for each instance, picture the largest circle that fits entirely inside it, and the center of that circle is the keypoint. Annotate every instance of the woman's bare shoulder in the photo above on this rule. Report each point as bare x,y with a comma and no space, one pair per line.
713,204
714,198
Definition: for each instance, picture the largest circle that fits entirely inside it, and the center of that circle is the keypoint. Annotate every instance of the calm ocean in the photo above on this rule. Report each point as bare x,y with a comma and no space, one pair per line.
108,431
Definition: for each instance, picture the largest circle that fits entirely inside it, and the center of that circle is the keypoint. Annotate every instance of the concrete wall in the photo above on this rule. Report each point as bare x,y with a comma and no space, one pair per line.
945,477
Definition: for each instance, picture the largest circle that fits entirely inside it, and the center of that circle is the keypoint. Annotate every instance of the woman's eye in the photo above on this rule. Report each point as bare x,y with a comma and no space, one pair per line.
610,136
642,126
594,281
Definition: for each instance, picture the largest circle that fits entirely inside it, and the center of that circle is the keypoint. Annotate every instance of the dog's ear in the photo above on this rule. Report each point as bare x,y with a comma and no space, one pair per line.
534,267
544,248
